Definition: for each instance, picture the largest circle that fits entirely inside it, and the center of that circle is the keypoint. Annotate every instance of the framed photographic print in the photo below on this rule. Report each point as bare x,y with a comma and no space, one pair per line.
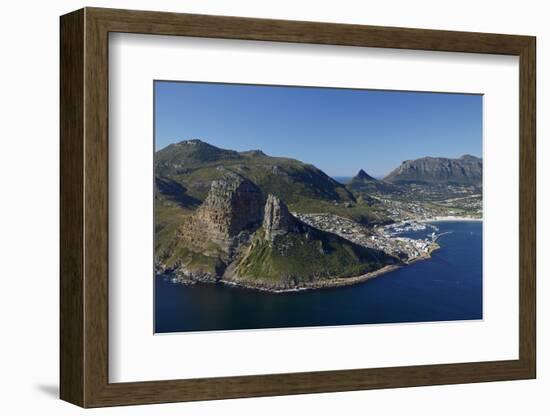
255,207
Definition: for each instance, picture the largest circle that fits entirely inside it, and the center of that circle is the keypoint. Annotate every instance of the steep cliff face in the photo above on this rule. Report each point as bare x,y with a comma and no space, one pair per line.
464,170
277,219
232,205
230,212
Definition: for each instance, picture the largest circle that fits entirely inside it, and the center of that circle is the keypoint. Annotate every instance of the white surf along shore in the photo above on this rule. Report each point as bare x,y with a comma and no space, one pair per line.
449,218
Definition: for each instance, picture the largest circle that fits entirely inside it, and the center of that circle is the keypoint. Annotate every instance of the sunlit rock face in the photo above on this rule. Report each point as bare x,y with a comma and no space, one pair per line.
277,219
233,204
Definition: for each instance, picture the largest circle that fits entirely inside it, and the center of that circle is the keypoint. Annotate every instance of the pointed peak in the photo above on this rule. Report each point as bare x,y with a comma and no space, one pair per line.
364,176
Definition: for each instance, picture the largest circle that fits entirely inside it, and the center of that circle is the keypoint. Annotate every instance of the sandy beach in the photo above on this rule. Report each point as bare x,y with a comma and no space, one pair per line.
450,218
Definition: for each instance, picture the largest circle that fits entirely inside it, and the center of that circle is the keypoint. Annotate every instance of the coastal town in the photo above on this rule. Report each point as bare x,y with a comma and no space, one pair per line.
383,238
405,216
465,207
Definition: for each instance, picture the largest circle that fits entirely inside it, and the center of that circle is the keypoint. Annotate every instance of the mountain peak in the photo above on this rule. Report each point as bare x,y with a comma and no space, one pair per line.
253,152
469,157
192,142
187,154
464,170
364,176
189,145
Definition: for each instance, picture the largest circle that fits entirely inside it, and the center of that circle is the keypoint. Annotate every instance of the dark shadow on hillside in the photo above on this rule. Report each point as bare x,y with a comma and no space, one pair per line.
175,192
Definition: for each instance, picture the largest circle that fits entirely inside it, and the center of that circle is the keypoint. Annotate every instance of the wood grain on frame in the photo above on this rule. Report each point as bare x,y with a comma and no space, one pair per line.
72,213
84,207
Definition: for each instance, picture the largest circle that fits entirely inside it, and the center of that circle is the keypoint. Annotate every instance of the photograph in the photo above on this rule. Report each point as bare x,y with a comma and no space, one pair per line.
303,206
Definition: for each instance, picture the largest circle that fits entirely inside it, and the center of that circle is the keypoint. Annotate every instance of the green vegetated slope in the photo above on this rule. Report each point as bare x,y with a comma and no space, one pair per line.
194,164
185,171
305,257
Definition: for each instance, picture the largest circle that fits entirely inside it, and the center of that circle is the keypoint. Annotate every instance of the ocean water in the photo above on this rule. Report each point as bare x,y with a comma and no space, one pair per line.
446,287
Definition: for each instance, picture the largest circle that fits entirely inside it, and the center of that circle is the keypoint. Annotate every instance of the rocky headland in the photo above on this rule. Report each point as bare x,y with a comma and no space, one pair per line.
239,237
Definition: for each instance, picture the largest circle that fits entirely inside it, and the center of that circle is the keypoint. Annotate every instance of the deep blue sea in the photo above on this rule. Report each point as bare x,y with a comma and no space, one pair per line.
446,287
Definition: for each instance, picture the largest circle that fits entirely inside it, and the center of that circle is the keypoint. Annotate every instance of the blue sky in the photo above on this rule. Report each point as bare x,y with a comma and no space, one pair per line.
338,130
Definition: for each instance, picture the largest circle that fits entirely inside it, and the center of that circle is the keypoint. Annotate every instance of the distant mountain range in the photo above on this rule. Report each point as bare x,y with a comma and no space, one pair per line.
427,178
466,170
185,170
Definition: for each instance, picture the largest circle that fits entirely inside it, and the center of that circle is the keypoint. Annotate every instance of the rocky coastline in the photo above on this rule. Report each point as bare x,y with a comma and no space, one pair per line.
182,276
240,237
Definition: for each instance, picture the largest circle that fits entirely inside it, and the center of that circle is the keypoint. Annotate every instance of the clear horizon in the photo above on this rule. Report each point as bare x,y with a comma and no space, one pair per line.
340,131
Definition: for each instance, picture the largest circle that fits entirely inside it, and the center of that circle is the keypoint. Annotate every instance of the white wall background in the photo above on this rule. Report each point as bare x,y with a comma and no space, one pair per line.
29,209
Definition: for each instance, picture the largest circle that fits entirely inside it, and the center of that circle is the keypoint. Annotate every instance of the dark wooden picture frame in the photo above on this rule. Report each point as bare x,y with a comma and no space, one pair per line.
84,207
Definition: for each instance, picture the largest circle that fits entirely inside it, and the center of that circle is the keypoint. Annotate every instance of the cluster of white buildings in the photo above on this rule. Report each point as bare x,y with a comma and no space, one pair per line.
406,249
